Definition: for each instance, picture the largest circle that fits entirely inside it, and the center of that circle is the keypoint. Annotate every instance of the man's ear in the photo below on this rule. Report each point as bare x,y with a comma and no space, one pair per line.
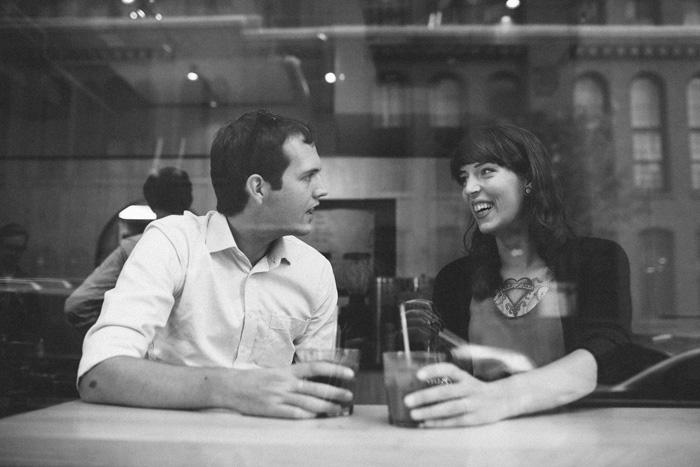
257,188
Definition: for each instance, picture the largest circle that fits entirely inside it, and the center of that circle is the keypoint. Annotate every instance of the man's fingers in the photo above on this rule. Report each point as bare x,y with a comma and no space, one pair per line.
313,405
316,378
311,369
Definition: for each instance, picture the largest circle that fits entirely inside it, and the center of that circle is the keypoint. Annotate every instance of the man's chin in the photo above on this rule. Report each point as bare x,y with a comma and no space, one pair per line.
301,230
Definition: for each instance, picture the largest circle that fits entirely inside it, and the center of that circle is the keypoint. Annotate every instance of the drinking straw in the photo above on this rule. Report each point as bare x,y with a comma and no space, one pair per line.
404,331
452,338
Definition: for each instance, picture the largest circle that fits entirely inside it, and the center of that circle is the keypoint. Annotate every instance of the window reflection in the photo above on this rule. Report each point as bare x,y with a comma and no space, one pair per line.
590,97
693,104
647,136
445,102
657,291
391,104
90,99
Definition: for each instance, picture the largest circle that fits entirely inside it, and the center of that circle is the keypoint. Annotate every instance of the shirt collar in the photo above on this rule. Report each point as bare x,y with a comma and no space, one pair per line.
219,237
278,253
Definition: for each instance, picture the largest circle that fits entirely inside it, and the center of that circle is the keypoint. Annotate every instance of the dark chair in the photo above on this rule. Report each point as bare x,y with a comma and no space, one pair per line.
674,379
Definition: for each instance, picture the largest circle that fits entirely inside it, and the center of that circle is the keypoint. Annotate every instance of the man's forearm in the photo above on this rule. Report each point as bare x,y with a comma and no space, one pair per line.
279,392
143,383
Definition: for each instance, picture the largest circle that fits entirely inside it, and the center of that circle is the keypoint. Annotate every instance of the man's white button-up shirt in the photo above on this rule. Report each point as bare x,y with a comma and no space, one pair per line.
188,296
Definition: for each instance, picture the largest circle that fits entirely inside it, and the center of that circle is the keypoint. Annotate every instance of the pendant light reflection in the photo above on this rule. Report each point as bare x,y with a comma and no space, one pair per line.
137,212
193,75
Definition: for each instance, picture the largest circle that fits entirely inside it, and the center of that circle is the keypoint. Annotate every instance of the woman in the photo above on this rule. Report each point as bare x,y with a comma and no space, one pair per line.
528,285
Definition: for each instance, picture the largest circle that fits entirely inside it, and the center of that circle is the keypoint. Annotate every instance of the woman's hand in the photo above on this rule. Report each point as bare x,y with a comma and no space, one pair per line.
467,401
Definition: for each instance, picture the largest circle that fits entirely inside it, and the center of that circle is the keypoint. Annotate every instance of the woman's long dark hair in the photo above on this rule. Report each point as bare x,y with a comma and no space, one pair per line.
522,152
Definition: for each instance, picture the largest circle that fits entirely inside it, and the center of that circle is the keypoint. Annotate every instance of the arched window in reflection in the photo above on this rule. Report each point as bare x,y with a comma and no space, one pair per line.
691,12
647,134
693,106
391,104
588,12
657,246
642,12
445,102
591,100
505,95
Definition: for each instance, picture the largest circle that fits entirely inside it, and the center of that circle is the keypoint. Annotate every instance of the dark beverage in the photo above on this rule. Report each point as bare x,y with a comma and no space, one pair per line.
400,380
399,385
349,384
349,358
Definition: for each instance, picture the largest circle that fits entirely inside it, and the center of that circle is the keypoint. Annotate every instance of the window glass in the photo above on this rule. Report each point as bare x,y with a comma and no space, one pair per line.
589,97
390,104
693,105
647,143
445,102
96,95
658,270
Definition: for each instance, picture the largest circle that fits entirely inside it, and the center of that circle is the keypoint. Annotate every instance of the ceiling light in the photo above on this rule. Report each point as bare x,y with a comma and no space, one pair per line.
192,75
127,2
330,78
512,4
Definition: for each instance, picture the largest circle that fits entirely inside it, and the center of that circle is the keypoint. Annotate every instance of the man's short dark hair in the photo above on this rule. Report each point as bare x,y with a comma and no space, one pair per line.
252,144
169,190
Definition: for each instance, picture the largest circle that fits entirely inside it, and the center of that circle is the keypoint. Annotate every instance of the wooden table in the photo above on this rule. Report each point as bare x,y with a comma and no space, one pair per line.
76,433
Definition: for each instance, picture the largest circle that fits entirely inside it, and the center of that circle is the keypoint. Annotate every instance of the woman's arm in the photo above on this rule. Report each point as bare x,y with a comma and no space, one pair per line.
602,320
469,401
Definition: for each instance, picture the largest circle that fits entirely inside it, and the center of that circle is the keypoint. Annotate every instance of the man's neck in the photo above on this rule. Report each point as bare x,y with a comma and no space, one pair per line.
249,239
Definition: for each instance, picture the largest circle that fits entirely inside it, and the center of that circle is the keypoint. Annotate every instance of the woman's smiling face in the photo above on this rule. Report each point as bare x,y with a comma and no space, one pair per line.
495,195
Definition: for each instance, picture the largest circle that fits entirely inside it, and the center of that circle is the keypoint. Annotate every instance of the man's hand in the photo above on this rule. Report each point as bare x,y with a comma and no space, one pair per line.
287,392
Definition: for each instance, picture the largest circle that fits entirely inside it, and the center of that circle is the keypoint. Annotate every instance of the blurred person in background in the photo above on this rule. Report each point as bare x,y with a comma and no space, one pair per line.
167,192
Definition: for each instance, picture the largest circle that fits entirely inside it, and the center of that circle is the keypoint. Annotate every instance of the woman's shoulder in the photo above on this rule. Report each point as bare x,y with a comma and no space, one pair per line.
593,245
458,268
591,255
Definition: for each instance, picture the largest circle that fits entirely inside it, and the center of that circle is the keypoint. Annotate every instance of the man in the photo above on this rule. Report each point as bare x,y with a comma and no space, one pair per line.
167,191
208,311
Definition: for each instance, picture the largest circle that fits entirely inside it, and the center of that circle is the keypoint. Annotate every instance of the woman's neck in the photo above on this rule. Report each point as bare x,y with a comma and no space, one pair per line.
518,256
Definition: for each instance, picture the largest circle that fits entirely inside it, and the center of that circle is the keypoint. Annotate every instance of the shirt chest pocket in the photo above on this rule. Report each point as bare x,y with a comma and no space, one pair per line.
274,341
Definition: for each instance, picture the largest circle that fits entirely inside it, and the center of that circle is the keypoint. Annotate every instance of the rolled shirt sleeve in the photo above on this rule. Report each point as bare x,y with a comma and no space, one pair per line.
139,304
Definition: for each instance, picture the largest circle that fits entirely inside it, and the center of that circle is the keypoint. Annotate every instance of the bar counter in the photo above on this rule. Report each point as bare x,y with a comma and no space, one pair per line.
77,433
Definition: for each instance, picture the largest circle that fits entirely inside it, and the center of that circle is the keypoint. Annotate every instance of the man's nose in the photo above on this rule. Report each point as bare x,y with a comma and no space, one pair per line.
320,190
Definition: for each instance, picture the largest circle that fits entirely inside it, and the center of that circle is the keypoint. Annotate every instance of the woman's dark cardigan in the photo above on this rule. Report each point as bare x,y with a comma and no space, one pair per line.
594,272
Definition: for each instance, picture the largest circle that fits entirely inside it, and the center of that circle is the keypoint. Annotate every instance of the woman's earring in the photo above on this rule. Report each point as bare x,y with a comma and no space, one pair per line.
528,190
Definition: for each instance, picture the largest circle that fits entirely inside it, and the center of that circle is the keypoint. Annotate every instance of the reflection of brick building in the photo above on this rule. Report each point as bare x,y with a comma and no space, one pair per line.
623,100
613,86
